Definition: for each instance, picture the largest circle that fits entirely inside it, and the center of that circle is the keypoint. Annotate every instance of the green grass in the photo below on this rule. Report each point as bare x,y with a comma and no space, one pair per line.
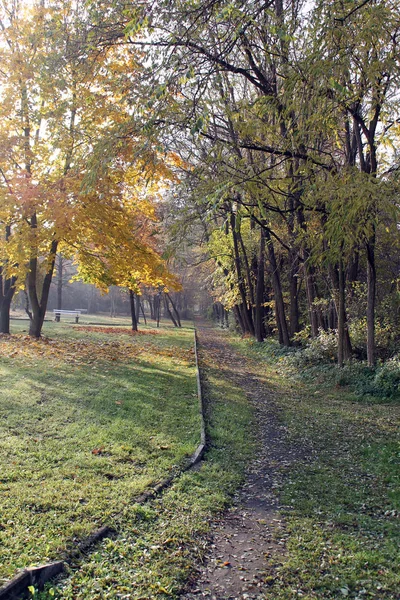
88,421
159,546
57,490
343,496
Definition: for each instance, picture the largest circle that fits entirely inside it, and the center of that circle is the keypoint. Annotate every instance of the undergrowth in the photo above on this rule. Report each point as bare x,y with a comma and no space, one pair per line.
316,358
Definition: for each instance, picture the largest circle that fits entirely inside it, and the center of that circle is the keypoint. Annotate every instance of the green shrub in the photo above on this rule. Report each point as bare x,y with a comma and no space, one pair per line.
387,378
355,373
318,350
382,381
316,358
386,337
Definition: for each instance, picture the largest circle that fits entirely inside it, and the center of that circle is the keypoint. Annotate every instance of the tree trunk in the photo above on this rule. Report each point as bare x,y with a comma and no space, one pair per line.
341,315
39,306
339,285
238,317
294,326
141,304
59,281
35,327
226,314
278,296
259,309
246,313
112,303
137,308
157,309
310,292
371,295
332,315
293,206
133,310
5,314
7,290
352,271
175,311
167,308
248,275
151,300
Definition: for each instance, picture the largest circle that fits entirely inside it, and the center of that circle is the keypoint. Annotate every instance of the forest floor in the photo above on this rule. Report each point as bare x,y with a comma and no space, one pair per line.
318,514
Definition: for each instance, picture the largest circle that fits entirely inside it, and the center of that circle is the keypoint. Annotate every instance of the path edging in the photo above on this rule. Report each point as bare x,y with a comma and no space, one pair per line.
18,586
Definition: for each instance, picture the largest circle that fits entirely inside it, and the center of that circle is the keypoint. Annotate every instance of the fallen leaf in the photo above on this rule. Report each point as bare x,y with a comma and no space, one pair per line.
98,450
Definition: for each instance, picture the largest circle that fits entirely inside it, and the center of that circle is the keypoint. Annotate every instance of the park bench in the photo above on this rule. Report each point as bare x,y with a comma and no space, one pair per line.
57,314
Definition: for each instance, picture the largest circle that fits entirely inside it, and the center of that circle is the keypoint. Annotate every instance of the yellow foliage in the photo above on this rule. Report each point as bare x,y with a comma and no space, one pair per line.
60,184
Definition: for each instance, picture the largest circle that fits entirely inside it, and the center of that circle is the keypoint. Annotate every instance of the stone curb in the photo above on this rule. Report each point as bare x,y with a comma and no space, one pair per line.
17,587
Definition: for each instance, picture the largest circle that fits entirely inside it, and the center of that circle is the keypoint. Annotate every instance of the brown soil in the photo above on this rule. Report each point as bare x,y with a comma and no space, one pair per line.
248,542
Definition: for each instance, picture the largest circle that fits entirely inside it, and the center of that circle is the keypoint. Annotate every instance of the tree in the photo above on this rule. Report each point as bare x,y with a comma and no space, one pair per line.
271,118
71,94
123,250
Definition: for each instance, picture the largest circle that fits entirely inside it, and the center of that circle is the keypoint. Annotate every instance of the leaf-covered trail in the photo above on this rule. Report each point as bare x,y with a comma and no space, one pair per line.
249,539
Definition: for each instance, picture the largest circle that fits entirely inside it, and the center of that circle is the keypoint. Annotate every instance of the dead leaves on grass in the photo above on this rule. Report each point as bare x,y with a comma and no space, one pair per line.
88,351
117,330
83,351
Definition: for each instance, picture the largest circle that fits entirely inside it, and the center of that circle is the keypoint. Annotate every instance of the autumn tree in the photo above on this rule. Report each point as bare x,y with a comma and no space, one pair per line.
71,99
288,102
123,248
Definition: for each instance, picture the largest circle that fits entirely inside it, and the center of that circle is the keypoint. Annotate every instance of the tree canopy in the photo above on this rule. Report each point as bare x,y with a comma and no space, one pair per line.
268,130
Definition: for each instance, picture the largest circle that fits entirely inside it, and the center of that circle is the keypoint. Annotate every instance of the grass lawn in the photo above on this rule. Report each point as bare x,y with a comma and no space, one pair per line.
159,545
343,499
89,417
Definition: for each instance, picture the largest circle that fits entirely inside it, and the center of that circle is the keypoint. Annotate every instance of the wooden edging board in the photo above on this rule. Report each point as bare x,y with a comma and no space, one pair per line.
17,587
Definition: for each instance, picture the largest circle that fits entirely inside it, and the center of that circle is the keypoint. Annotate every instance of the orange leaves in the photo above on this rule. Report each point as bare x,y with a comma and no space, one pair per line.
116,330
88,352
74,352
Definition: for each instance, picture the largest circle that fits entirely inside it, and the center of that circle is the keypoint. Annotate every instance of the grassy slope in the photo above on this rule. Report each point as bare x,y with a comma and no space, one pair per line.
343,531
158,546
87,421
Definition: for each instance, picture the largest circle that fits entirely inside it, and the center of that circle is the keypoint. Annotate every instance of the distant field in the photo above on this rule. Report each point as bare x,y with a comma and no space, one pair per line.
89,417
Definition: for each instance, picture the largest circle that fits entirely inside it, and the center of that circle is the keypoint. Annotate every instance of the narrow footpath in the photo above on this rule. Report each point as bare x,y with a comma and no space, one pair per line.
248,542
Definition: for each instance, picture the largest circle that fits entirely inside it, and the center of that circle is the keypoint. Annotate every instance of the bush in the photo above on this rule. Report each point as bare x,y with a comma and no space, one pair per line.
382,381
318,350
357,375
387,378
316,359
385,338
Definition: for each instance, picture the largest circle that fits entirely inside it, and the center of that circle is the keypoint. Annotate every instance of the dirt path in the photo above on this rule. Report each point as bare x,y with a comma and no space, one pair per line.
250,539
